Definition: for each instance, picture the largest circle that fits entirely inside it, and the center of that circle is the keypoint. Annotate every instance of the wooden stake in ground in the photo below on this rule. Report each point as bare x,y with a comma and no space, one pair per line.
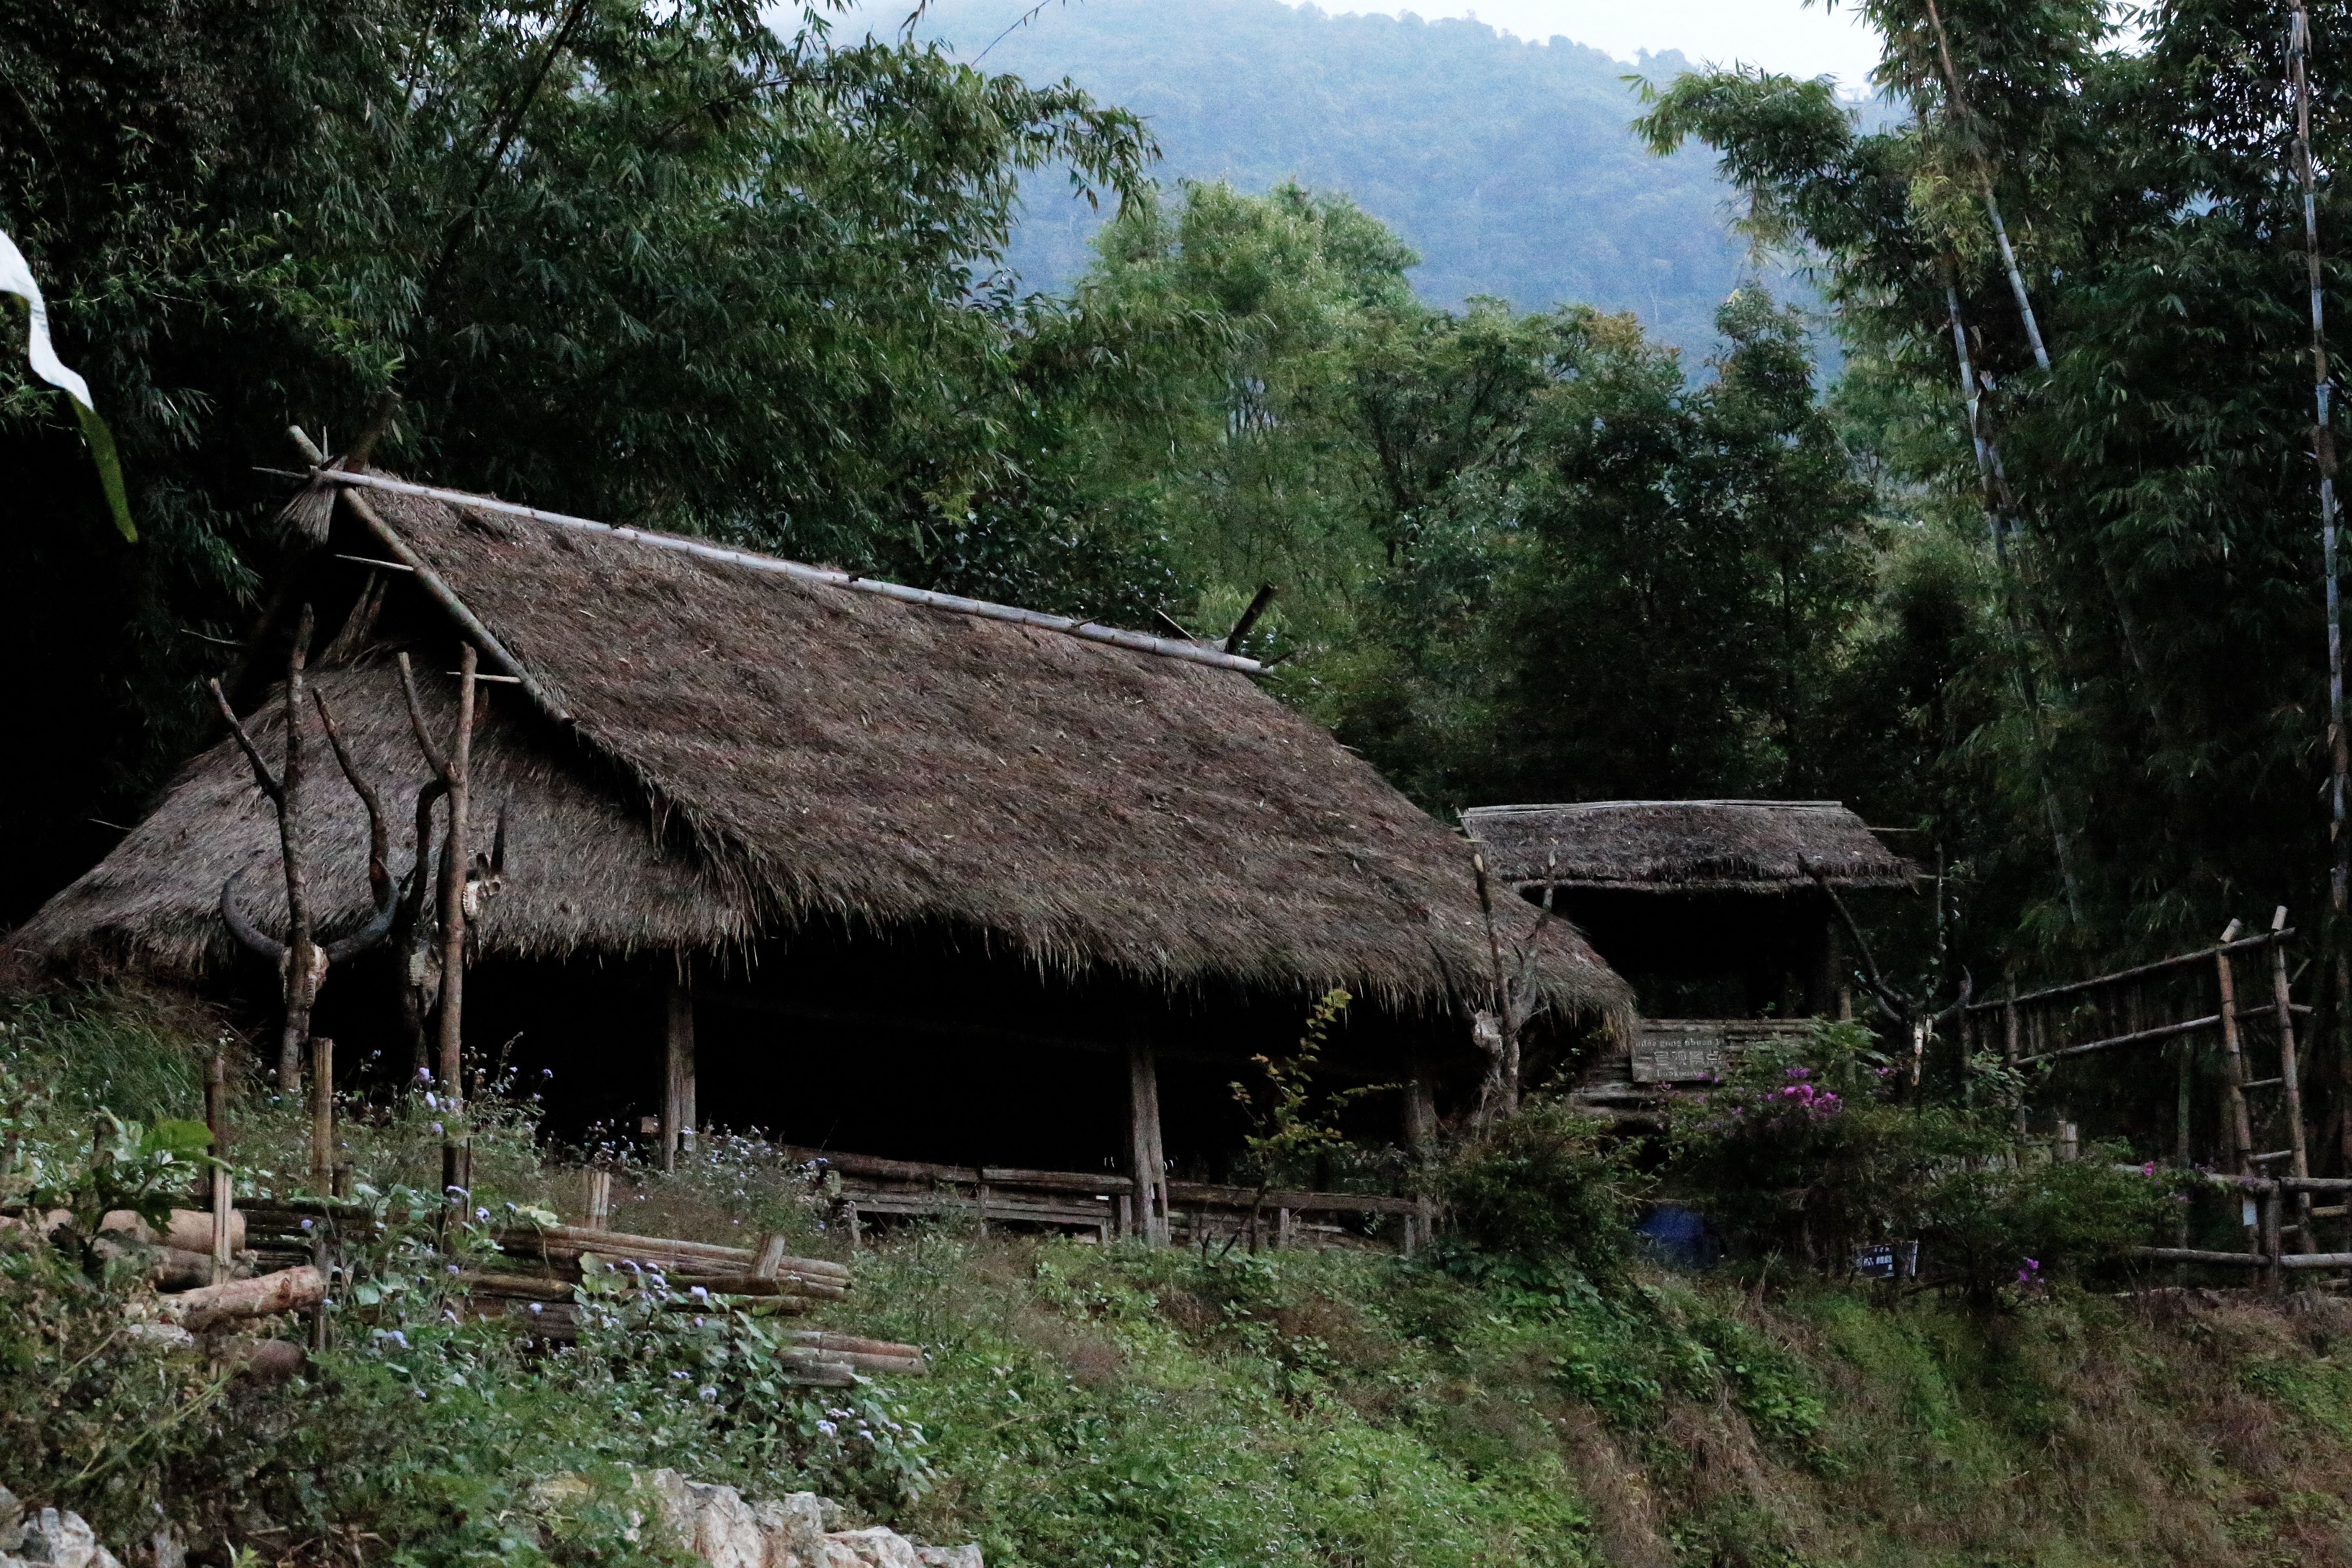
302,962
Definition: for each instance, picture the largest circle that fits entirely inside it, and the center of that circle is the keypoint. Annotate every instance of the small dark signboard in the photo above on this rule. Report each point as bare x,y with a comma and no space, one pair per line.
1888,1260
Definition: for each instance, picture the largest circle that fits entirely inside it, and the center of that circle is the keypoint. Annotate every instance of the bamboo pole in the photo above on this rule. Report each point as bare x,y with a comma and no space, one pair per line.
2241,1134
1992,205
2291,1081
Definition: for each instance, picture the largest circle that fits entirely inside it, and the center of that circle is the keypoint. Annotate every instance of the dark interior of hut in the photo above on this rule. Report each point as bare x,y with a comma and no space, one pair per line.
1713,955
913,1047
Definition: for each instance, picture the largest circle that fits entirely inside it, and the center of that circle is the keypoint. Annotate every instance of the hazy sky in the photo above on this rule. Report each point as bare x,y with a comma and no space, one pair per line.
1780,34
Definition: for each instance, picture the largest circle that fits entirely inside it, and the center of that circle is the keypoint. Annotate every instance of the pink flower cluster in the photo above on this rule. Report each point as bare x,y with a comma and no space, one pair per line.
1799,1099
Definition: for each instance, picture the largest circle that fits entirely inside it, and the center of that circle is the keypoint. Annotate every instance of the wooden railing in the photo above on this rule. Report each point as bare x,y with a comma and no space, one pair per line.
1102,1206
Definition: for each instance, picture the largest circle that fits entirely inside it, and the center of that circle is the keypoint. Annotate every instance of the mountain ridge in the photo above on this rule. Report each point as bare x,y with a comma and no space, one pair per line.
1509,165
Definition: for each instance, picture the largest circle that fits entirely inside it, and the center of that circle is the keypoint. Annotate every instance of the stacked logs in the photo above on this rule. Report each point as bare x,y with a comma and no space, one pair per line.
541,1266
285,1252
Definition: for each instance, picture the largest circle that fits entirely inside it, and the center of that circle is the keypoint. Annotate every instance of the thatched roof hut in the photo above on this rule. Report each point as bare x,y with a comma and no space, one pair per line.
1686,846
708,753
1714,910
716,762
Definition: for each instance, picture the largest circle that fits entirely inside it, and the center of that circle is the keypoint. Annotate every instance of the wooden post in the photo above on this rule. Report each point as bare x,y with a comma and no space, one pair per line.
345,1180
600,1200
2241,1133
1421,1144
2291,1080
2008,1056
1146,1156
678,1078
224,1222
216,1120
1283,1241
322,1114
2272,1274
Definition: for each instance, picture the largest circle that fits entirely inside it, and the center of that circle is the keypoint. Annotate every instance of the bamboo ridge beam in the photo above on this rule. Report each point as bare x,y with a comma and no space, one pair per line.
1087,631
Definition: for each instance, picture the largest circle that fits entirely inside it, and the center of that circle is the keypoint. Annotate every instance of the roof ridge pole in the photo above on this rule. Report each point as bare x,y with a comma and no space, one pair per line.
981,609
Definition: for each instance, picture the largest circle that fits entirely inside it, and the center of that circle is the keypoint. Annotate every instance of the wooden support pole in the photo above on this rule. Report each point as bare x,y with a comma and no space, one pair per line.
677,1075
1147,1156
2240,1127
600,1200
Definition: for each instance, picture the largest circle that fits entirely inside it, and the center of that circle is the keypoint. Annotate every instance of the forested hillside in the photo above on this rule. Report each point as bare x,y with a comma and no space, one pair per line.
1506,165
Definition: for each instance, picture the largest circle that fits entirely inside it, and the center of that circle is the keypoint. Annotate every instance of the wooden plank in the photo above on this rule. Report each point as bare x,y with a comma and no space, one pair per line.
888,1169
1106,1183
1209,1194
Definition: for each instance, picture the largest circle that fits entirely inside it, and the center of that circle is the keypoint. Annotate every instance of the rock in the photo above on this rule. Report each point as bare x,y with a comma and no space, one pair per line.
61,1539
878,1548
792,1532
262,1361
12,1522
162,1336
726,1533
722,1528
169,1550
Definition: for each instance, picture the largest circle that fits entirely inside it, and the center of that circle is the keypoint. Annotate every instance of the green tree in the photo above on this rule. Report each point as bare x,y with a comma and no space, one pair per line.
2147,722
698,267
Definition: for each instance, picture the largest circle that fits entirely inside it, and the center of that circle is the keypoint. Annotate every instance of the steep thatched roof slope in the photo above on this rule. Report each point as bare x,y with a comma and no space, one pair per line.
1685,845
803,750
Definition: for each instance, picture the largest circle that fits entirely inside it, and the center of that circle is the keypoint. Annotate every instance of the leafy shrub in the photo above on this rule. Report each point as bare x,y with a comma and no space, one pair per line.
1805,1150
1547,1188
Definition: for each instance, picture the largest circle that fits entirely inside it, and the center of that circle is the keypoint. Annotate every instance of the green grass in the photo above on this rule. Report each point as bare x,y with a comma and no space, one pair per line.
1093,1406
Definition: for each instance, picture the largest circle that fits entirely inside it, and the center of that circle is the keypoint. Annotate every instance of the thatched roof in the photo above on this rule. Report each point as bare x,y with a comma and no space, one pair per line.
1685,845
710,753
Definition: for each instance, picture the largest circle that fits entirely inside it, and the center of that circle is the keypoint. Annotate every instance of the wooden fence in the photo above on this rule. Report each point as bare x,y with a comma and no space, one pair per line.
2240,993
